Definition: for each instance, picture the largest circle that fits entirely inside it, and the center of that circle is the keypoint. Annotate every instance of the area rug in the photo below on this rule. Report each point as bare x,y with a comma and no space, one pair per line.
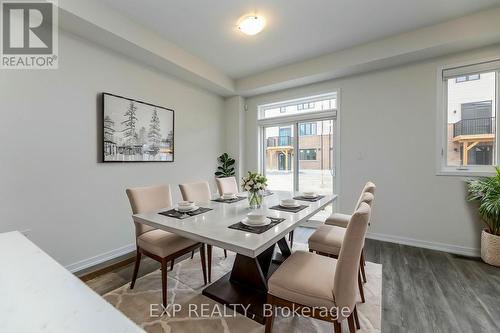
194,312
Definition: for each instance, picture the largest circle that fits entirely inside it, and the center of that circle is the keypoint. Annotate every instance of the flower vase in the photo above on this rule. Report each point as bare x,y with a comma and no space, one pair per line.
254,199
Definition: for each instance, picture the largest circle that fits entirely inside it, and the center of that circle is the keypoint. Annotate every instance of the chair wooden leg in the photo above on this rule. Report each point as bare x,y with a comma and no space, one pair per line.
337,327
192,254
136,269
225,253
360,286
350,322
362,266
356,317
172,265
209,256
203,263
269,321
164,282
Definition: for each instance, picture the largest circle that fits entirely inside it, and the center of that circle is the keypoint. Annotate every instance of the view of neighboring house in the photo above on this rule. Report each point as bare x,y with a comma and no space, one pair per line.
315,138
315,147
471,119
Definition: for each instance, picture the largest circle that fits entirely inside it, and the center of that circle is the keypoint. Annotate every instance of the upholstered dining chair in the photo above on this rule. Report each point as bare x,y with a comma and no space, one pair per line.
313,282
327,240
200,192
227,185
160,245
340,219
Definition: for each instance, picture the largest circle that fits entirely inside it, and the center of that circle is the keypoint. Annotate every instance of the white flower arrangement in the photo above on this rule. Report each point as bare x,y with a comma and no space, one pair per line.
254,182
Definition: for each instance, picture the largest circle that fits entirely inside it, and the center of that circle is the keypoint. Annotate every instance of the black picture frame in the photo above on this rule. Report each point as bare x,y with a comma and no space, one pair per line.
103,129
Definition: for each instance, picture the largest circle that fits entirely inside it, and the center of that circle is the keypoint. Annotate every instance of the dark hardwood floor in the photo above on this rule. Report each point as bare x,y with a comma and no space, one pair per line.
422,290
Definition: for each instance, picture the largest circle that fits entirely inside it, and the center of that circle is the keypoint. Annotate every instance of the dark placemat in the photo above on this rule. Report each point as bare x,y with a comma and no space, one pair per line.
302,198
289,210
257,229
229,200
180,216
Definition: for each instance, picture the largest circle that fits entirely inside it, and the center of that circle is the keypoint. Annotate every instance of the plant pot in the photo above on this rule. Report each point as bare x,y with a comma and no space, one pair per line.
490,248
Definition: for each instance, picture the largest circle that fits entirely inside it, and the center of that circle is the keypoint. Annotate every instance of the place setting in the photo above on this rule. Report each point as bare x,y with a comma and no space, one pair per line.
229,198
185,209
289,205
256,223
309,196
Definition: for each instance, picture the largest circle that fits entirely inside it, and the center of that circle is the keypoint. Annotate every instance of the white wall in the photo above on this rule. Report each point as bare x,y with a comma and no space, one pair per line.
51,181
234,121
388,135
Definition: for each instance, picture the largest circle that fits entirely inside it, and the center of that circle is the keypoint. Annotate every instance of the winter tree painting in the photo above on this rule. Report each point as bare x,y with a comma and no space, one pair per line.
135,131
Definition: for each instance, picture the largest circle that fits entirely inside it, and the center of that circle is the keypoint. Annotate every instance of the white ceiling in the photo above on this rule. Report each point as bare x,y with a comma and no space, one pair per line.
296,29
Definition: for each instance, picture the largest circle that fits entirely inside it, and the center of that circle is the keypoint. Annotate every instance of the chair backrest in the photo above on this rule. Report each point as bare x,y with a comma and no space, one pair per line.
199,191
370,188
148,199
227,185
346,272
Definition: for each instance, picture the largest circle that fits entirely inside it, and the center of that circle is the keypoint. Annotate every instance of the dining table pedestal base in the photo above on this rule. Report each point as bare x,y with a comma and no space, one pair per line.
244,289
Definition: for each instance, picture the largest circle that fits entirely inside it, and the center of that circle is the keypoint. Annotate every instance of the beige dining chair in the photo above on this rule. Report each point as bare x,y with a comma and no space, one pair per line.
310,282
340,219
200,192
227,185
160,245
327,240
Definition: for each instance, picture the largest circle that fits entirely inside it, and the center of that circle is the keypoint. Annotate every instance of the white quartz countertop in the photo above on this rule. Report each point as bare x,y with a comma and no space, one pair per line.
212,227
39,295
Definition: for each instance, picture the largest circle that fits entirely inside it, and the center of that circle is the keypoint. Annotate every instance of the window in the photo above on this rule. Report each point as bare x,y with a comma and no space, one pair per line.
469,142
466,78
307,155
320,103
307,129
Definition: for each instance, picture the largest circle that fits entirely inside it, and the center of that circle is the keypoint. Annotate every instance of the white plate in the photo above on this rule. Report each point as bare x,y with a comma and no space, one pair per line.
267,221
290,206
186,210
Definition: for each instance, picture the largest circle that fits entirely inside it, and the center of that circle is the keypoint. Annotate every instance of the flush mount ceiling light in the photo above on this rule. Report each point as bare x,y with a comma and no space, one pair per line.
251,24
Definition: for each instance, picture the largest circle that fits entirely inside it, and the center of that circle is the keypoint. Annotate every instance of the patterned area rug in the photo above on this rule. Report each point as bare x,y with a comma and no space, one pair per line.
185,284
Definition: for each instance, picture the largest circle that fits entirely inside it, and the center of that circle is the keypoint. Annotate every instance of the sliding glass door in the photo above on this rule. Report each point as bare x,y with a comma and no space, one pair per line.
279,157
299,156
316,156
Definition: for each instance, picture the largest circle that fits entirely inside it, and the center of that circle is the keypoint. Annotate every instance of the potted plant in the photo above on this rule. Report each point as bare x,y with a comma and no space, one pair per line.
254,183
226,169
486,190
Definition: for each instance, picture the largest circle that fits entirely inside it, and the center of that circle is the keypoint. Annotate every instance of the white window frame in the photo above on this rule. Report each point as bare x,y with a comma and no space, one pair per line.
293,120
442,169
297,101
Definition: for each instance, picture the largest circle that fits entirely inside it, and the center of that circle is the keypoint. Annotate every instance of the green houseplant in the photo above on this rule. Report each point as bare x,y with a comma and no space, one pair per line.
226,167
486,190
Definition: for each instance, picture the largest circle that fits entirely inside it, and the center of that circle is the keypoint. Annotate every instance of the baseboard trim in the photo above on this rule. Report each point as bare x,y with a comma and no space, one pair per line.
100,258
460,250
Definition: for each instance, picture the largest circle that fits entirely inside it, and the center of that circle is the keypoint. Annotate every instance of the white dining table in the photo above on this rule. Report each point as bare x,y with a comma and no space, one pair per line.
256,257
37,294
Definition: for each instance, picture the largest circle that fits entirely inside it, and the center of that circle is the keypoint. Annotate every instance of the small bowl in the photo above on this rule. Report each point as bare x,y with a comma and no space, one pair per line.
256,218
185,204
228,196
289,202
310,194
